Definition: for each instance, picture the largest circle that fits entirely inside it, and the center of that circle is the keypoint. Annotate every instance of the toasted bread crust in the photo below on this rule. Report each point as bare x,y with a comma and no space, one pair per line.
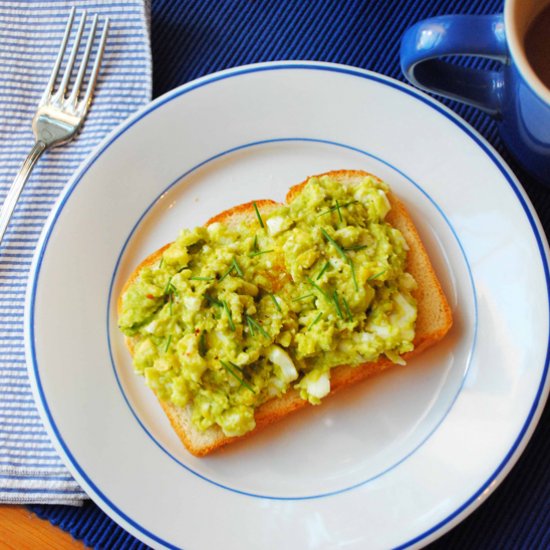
434,319
242,212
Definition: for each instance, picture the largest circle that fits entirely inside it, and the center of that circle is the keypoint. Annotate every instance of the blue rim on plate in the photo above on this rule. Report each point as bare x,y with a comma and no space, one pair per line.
522,438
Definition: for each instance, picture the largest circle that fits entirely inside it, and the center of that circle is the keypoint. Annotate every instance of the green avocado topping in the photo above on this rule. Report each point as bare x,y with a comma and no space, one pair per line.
234,315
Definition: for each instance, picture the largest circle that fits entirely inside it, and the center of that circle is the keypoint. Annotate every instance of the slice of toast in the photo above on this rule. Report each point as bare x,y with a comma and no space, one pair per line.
434,319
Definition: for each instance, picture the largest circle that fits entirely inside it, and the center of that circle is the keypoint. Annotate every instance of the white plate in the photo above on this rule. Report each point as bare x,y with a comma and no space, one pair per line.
395,461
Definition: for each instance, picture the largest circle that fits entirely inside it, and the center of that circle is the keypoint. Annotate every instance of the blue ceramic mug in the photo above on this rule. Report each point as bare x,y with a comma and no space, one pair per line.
514,95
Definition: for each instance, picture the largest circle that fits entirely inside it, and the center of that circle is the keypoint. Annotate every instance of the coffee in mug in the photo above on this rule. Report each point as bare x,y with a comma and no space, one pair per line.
537,46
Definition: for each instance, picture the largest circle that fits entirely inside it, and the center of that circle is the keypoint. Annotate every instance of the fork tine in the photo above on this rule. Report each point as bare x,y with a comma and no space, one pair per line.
82,70
74,52
60,55
95,70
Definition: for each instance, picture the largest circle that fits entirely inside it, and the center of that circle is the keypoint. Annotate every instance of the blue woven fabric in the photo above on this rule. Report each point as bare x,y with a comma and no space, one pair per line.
193,38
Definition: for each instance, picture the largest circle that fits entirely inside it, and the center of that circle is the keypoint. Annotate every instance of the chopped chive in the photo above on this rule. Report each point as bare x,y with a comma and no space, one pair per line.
161,262
255,244
337,207
337,304
170,289
202,344
258,214
339,211
303,297
201,278
257,326
344,255
377,275
317,287
167,343
348,310
250,326
237,268
325,267
240,369
252,254
356,247
167,287
352,267
226,273
275,301
236,376
316,320
234,265
213,301
229,315
248,386
334,243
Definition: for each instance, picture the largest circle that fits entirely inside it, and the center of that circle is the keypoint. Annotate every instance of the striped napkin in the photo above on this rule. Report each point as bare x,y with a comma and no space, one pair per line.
30,35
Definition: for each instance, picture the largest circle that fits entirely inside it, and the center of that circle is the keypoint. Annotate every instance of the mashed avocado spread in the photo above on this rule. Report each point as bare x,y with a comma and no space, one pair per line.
233,315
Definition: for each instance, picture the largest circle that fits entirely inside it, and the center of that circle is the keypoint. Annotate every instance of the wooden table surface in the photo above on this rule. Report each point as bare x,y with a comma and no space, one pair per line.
23,530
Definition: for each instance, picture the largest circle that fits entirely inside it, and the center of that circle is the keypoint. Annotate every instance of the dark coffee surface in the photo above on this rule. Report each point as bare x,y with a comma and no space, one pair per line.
537,46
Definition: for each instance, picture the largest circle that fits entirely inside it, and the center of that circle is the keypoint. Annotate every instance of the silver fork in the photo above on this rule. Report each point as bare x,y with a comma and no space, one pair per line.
59,116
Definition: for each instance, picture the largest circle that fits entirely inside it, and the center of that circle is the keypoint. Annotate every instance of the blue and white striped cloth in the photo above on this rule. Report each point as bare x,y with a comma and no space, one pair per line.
30,35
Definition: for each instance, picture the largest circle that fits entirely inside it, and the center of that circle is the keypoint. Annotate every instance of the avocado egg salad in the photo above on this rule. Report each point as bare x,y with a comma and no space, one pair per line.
234,314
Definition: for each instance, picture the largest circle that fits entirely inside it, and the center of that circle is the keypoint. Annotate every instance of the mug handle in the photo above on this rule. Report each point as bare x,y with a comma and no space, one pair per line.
479,35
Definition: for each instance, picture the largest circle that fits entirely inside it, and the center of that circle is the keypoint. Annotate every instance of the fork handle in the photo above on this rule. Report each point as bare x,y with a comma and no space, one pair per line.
18,184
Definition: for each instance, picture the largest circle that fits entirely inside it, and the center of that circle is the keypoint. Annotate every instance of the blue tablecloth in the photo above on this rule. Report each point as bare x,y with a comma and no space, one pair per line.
191,38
